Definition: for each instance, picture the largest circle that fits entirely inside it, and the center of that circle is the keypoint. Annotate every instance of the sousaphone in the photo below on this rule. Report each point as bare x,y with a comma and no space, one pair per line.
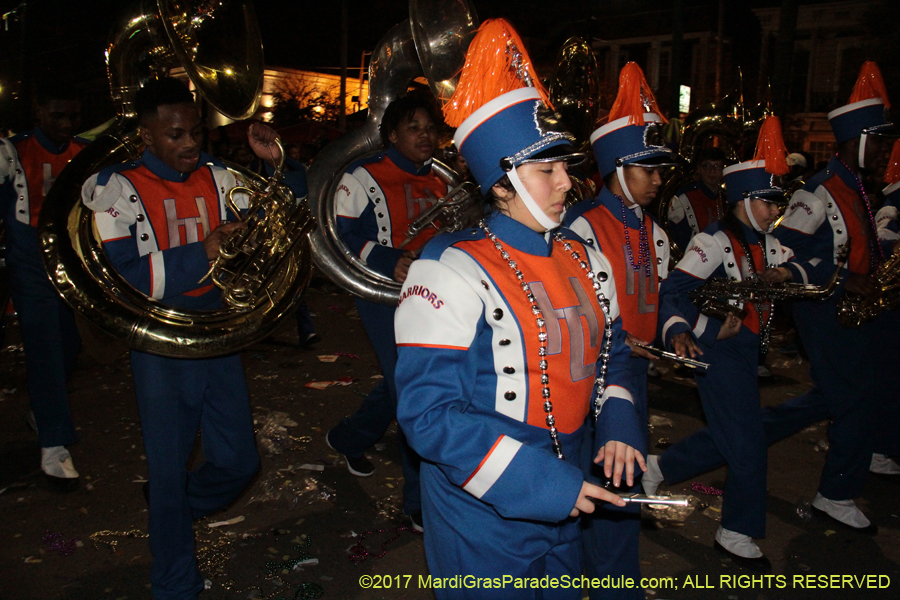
433,44
218,45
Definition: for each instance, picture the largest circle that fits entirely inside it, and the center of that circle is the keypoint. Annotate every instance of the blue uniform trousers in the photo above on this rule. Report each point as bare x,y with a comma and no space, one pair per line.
367,425
466,537
735,435
842,370
176,398
610,535
49,336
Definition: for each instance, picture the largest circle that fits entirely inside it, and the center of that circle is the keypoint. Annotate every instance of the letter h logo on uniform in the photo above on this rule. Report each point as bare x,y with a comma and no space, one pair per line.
572,315
173,223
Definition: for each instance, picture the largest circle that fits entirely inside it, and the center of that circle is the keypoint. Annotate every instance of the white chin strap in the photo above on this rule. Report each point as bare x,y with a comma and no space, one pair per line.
753,222
862,150
539,215
620,173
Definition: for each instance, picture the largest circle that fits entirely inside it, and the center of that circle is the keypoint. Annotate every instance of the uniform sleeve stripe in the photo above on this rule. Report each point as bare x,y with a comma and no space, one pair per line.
669,323
157,275
367,249
124,237
437,346
700,327
492,467
615,391
802,271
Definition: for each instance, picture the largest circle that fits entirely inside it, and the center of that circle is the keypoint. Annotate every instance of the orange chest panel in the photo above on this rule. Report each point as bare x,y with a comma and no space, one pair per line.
180,213
41,170
856,219
572,321
752,316
706,209
636,292
406,197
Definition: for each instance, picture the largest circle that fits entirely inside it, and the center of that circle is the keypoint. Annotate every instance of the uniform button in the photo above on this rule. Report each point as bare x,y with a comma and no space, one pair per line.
384,228
830,205
20,185
840,231
144,237
730,265
485,285
21,211
140,218
505,342
834,217
380,215
659,261
377,200
371,190
133,198
659,243
18,171
727,249
510,395
602,276
384,242
509,370
497,314
772,251
590,241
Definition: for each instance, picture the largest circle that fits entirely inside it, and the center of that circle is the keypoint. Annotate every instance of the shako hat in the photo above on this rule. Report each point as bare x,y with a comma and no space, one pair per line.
500,109
633,135
865,114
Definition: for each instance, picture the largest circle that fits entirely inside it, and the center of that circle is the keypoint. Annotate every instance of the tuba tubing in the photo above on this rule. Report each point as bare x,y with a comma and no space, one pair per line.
74,259
394,64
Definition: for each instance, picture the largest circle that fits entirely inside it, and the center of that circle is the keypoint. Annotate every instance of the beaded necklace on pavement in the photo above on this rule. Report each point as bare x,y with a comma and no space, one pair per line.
600,382
876,254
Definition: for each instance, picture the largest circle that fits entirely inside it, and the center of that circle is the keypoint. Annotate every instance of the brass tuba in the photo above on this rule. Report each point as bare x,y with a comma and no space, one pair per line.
432,43
218,44
723,120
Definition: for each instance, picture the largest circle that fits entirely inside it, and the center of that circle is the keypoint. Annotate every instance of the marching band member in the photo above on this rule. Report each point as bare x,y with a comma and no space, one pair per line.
161,220
630,157
376,201
738,247
29,164
887,416
501,328
698,204
830,211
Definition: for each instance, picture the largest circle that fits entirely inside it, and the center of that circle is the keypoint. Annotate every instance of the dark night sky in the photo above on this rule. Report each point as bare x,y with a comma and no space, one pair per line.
69,36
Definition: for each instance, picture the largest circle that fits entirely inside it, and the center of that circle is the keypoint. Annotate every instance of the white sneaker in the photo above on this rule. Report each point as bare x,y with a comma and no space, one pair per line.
763,371
57,462
883,465
738,543
844,511
653,477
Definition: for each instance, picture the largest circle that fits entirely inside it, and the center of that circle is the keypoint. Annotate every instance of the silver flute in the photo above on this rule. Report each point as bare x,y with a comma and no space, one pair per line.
643,499
690,362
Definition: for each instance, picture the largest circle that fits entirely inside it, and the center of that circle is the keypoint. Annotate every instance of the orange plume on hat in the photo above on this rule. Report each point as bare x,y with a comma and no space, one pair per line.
770,147
496,63
892,174
635,97
869,85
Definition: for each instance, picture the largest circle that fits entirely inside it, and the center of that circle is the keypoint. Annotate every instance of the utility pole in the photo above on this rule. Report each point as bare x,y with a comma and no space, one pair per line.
345,26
